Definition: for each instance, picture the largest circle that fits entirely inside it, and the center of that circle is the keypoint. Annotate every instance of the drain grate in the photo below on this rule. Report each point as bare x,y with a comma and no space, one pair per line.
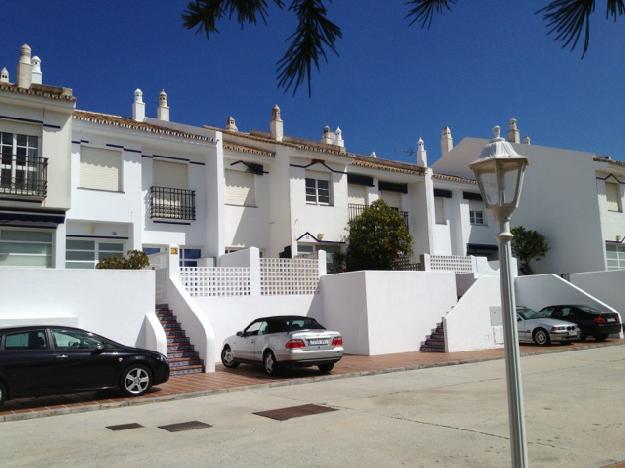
283,414
185,426
123,427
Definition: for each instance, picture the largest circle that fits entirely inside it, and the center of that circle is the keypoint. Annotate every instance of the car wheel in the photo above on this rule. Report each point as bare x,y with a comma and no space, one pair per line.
136,380
541,337
601,337
582,337
227,358
326,368
3,393
269,363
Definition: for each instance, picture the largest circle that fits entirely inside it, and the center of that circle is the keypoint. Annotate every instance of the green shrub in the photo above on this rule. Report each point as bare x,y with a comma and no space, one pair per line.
135,260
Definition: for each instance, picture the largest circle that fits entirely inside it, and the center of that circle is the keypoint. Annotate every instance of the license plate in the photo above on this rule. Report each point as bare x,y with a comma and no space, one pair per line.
572,333
318,342
611,320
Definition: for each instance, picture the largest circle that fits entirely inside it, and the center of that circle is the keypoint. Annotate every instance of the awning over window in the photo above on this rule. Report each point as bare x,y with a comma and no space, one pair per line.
33,218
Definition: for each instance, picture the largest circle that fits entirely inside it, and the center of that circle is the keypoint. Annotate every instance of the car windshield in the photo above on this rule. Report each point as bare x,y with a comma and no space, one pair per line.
527,314
588,309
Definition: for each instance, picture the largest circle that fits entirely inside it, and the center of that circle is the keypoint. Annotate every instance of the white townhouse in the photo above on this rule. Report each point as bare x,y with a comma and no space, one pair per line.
574,198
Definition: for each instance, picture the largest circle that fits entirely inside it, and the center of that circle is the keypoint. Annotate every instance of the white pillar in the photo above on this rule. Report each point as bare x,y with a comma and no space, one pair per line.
173,260
254,271
323,265
214,243
59,246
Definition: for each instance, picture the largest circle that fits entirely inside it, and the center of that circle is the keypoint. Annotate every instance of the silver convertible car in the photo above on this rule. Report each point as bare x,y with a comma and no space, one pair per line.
281,341
538,328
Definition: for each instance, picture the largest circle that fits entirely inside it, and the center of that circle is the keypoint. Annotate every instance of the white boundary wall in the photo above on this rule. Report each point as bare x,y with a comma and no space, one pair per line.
116,304
607,286
474,323
381,312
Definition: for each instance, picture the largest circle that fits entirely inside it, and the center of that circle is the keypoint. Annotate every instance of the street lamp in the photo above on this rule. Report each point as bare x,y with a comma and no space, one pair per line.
499,173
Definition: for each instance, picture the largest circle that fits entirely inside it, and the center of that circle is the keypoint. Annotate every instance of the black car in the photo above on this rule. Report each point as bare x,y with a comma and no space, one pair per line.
591,322
43,360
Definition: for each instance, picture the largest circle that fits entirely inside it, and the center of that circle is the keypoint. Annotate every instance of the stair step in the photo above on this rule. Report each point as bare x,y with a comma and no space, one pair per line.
185,370
185,353
178,347
171,333
178,339
427,349
183,362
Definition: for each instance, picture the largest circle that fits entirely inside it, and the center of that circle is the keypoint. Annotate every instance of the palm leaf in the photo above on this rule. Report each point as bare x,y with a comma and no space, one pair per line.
203,15
314,34
423,11
568,19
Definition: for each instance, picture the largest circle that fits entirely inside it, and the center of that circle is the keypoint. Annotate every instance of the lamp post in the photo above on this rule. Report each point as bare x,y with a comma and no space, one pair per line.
499,173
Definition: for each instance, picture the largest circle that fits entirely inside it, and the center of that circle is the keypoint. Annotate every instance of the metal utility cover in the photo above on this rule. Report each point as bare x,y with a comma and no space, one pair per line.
185,426
283,414
123,427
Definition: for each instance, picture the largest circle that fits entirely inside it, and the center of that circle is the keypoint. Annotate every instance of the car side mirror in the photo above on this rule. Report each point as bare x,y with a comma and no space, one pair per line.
239,333
98,348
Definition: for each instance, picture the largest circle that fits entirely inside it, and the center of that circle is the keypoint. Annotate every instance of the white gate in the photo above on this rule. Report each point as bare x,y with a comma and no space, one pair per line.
158,263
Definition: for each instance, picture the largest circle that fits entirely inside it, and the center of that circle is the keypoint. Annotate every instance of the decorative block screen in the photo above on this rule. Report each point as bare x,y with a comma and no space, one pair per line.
222,281
288,276
451,263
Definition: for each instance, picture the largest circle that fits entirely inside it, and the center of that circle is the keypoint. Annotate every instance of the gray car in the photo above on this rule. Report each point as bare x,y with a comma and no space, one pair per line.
538,328
282,341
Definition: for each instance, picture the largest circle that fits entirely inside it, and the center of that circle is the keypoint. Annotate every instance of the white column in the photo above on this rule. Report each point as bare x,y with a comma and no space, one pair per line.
215,188
254,271
323,266
173,260
59,246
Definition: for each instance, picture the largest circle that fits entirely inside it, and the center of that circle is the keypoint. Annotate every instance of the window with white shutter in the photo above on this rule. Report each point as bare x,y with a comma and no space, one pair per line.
170,174
239,188
356,194
392,199
439,210
100,169
613,196
476,213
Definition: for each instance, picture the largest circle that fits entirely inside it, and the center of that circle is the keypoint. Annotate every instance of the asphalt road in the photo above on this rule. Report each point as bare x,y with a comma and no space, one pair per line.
449,416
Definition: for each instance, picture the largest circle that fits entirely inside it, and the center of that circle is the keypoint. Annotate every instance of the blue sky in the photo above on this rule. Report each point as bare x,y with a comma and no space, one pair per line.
476,67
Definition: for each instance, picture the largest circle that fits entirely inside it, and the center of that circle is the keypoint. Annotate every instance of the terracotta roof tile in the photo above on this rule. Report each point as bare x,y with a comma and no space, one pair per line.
228,145
124,122
386,164
45,91
608,160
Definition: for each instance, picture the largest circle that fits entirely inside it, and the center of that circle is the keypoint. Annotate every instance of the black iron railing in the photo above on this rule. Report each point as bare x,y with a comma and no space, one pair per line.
23,175
356,210
172,203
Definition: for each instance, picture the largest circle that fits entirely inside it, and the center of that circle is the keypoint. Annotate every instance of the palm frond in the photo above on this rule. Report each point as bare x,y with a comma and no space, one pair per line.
423,11
203,15
568,19
615,8
314,34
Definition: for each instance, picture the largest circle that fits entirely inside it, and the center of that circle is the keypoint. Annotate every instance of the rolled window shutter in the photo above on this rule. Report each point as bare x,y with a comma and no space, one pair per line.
357,194
392,199
239,188
171,175
100,169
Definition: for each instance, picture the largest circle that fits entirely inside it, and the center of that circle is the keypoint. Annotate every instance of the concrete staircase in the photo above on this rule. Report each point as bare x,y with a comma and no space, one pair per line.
435,343
182,357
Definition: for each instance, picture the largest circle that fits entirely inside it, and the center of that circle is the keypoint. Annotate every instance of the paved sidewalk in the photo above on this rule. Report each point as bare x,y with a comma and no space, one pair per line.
224,380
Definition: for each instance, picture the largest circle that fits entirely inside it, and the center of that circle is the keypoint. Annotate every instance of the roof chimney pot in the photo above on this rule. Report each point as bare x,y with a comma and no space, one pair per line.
36,76
514,135
138,106
422,155
447,141
231,124
4,75
162,112
24,68
276,126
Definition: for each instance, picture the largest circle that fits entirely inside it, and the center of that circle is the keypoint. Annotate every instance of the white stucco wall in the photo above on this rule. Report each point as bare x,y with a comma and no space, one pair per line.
612,222
470,325
607,286
111,303
381,312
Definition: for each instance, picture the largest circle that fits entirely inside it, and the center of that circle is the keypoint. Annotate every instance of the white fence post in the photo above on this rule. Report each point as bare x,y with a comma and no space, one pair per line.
323,266
173,262
426,262
254,271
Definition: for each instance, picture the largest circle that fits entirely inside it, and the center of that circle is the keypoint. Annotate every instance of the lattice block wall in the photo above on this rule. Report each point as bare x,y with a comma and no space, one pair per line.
216,281
451,263
288,276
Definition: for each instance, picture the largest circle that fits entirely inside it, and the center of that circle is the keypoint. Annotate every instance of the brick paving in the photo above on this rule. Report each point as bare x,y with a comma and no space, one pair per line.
245,376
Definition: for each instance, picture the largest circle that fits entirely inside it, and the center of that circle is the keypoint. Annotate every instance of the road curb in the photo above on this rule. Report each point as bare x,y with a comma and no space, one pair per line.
84,408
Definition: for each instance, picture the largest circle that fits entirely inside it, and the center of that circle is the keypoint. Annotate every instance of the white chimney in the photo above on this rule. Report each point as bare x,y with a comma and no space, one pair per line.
162,112
4,75
373,155
36,76
24,68
231,124
514,136
138,106
422,155
276,125
527,140
327,136
447,141
338,137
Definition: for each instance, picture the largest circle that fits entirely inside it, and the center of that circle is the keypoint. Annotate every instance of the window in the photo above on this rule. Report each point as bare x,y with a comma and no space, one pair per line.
318,189
25,249
29,340
392,199
252,329
615,254
100,169
19,161
189,257
74,340
239,188
439,210
356,194
169,174
86,253
613,196
476,213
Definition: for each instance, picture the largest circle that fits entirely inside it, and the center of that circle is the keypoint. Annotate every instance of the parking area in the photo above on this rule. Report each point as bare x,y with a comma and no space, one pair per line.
224,380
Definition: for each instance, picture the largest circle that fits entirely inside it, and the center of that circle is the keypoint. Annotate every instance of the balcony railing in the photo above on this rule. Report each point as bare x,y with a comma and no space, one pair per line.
172,203
24,176
356,210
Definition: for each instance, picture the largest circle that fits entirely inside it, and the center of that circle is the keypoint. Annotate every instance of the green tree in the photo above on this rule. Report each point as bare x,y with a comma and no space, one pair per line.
135,260
528,245
315,34
377,238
